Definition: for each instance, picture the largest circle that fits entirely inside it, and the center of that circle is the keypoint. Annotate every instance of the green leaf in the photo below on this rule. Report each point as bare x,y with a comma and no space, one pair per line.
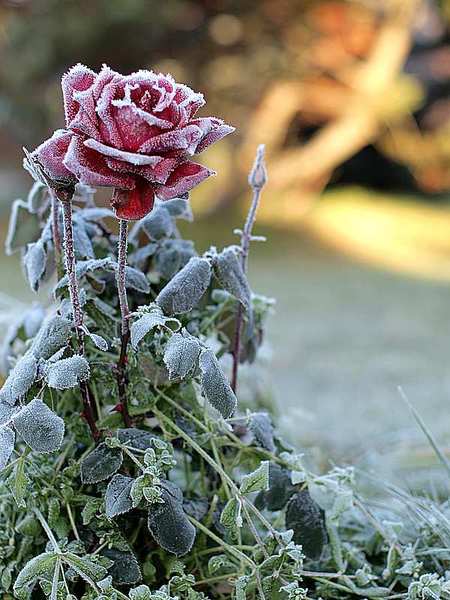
100,464
86,568
67,372
306,519
186,289
118,499
18,482
142,592
215,386
181,354
39,427
169,524
39,566
135,438
280,489
257,480
230,517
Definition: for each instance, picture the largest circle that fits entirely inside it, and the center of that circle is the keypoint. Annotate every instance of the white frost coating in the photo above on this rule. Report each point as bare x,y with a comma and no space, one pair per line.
181,355
53,335
215,385
149,321
68,372
20,379
7,412
136,280
35,260
185,138
130,157
39,427
7,439
185,290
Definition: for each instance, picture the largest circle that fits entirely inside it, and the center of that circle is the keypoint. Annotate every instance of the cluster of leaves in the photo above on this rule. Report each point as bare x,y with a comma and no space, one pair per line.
196,500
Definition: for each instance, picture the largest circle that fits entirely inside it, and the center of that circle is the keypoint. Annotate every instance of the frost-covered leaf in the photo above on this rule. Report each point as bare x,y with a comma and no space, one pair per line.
39,427
7,412
85,567
215,386
135,438
24,227
136,280
32,320
140,256
173,255
20,379
179,208
181,354
39,566
125,568
38,197
196,507
98,341
141,592
35,261
261,427
118,499
256,481
158,224
147,322
7,439
186,289
81,240
229,272
280,489
53,335
306,519
84,267
240,587
231,517
67,372
18,482
169,524
100,464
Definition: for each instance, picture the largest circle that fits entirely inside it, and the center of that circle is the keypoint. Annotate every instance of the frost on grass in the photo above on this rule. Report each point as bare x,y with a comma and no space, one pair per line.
181,354
100,464
39,427
149,321
20,379
118,499
68,372
306,519
186,289
7,439
52,336
215,385
168,523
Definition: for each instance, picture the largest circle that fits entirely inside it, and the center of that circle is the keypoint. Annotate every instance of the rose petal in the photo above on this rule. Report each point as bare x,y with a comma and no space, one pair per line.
132,205
90,167
129,157
185,177
51,153
213,130
185,138
78,78
105,111
188,102
155,174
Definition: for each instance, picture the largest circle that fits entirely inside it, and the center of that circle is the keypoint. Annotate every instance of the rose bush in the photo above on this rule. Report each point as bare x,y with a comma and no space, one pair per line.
135,133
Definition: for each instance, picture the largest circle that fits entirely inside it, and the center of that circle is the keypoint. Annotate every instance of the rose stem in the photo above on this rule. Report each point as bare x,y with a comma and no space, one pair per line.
54,206
257,180
69,256
125,330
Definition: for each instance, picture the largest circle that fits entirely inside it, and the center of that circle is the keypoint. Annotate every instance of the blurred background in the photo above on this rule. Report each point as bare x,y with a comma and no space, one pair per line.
352,101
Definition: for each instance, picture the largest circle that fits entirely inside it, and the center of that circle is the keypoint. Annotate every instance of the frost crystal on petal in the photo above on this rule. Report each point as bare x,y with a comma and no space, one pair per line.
39,427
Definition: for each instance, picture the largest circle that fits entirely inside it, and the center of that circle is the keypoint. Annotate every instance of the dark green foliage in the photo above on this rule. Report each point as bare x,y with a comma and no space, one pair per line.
100,464
306,519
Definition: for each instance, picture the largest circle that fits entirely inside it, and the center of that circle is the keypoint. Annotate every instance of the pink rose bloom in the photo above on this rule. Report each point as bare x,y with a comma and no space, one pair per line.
135,133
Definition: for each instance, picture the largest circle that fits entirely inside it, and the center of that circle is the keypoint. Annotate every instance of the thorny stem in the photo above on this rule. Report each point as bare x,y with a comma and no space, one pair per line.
257,179
70,262
54,205
125,331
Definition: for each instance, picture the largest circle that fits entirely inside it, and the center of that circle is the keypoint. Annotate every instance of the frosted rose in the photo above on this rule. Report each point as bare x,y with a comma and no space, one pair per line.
134,133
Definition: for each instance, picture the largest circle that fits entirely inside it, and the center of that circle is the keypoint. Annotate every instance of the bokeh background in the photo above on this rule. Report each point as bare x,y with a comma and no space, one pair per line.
352,101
